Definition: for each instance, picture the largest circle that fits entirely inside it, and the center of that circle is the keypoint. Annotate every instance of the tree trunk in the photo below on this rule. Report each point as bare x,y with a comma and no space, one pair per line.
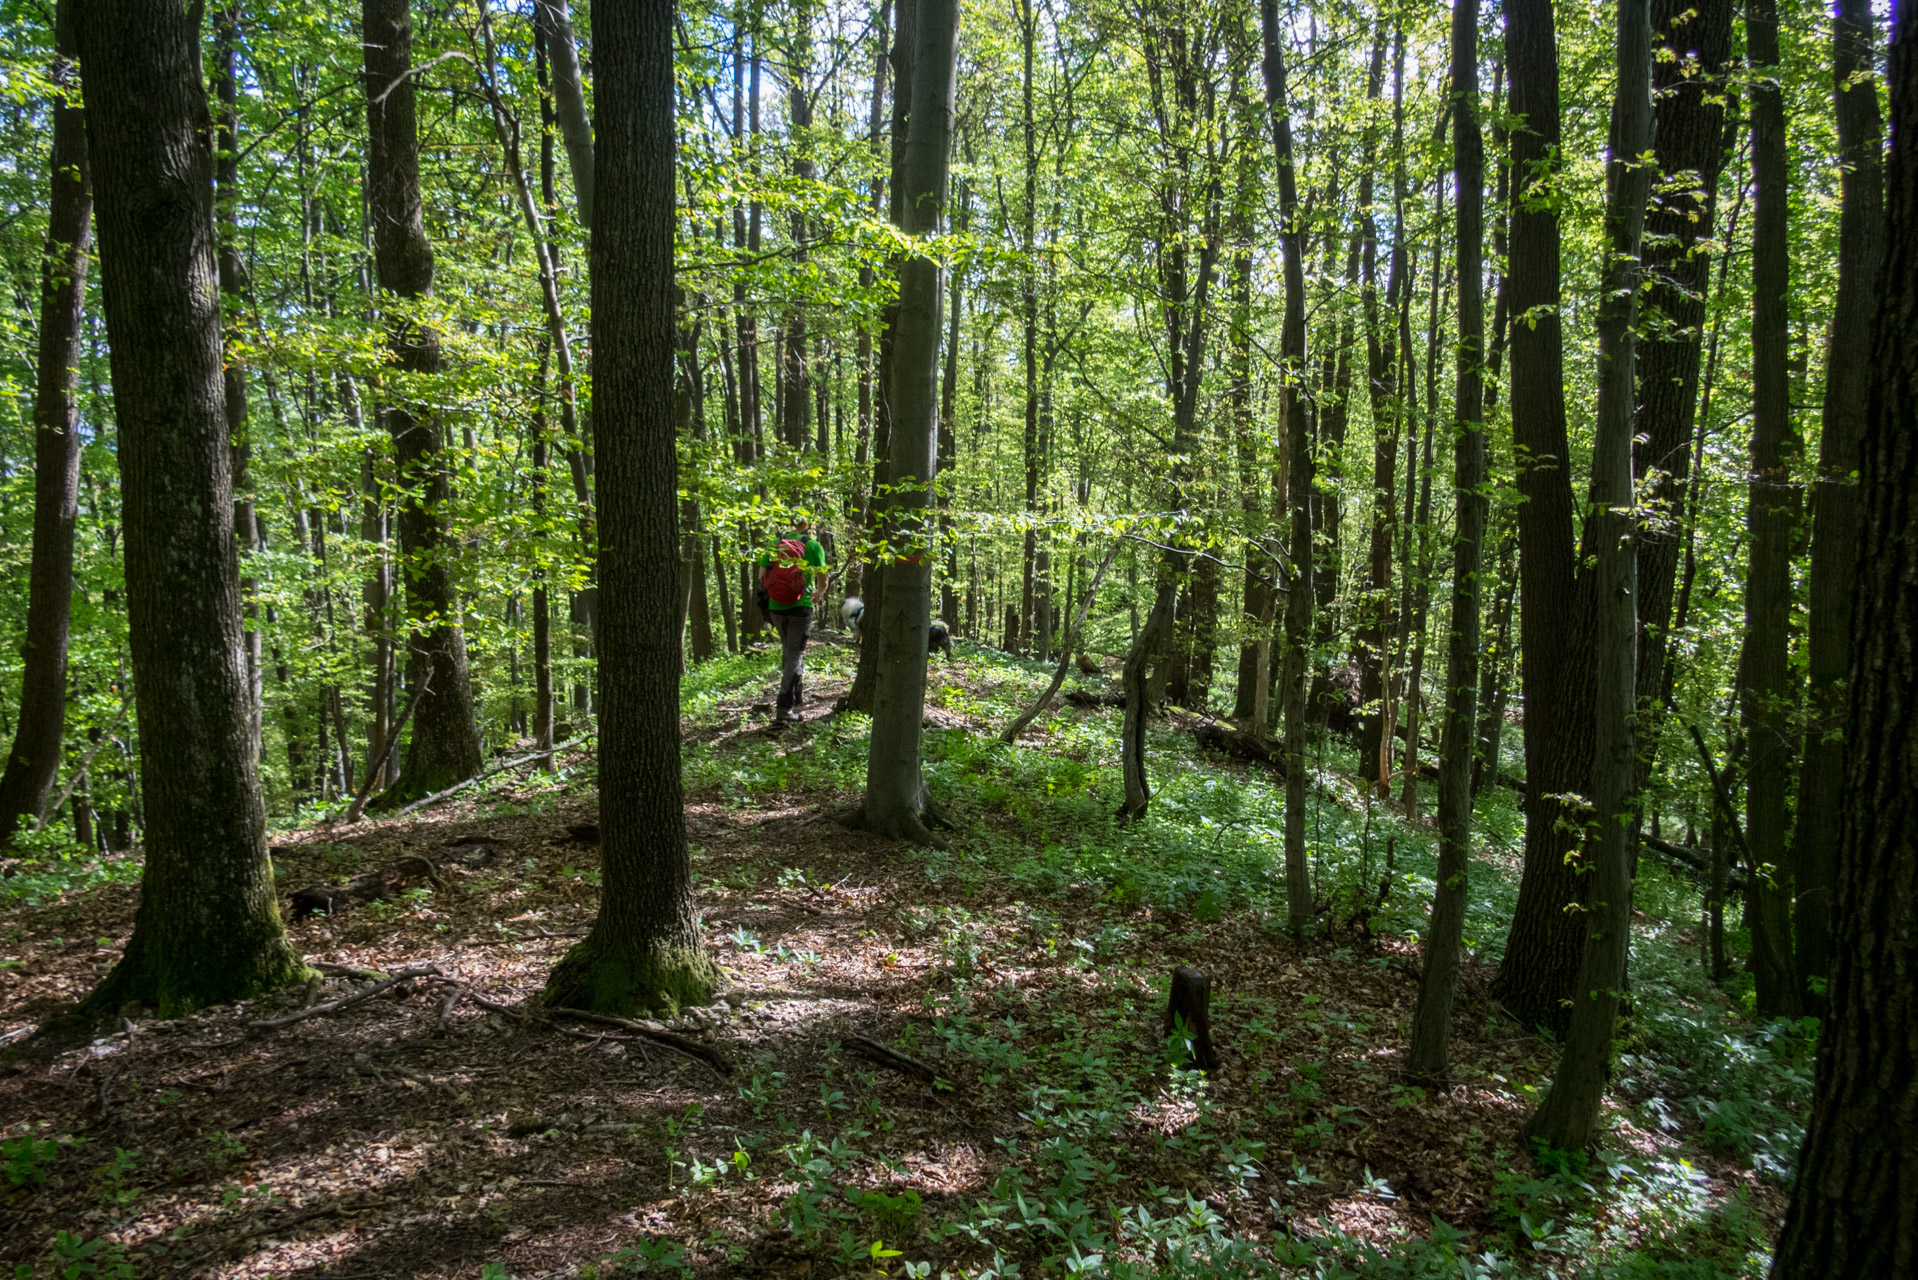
896,803
1854,1209
445,747
643,955
1688,81
34,761
1381,357
1429,1055
1568,1118
207,930
1296,415
569,99
1547,940
1835,507
1769,709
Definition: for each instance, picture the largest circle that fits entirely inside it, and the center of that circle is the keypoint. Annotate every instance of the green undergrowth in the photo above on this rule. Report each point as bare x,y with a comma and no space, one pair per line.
1038,823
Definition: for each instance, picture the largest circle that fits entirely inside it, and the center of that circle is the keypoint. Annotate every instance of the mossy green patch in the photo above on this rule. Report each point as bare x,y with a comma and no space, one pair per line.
660,982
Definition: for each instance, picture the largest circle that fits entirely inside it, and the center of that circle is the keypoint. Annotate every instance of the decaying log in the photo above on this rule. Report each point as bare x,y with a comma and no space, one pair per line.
1189,1009
1083,698
1219,736
369,886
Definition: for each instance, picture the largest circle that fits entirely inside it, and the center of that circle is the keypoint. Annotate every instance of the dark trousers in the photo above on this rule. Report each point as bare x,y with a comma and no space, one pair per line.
793,626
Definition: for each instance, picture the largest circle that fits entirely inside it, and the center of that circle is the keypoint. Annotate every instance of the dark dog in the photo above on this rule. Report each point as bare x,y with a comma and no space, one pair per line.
852,616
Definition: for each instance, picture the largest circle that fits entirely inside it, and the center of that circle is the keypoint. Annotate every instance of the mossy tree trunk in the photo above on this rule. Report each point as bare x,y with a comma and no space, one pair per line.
208,929
643,954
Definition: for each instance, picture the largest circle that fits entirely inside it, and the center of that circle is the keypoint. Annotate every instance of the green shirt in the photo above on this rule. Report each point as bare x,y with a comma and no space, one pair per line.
815,563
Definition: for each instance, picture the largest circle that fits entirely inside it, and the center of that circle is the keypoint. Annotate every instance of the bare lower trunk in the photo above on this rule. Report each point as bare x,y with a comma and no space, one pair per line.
208,930
644,953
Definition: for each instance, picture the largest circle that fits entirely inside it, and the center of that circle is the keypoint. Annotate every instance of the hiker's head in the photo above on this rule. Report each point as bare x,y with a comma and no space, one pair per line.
802,526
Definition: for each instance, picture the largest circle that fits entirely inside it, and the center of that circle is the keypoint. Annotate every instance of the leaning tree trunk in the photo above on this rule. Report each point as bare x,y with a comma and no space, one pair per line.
643,954
208,930
1568,1117
445,747
1835,509
34,761
1854,1209
1298,601
896,804
569,99
1429,1055
1768,710
1544,947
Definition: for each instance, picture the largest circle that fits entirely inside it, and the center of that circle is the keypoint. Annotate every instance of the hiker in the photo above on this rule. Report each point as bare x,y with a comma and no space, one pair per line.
789,575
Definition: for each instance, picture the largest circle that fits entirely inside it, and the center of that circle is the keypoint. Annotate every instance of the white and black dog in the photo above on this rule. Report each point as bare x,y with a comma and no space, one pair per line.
852,615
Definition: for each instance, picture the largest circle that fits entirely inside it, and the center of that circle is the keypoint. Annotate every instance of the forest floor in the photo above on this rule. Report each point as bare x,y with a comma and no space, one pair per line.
1027,965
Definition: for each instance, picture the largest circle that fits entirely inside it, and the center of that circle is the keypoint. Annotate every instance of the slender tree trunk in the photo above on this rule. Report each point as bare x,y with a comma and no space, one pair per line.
1546,942
896,803
207,930
34,760
644,953
1854,1209
1769,710
445,747
569,99
1381,346
1429,1056
1688,82
1835,507
1296,415
1568,1117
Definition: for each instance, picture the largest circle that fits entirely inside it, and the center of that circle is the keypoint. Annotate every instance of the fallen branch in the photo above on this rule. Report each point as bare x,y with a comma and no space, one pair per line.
80,773
446,1010
393,979
484,774
691,1048
375,769
904,1064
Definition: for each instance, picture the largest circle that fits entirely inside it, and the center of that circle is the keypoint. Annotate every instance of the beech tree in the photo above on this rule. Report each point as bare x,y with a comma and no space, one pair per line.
208,929
896,802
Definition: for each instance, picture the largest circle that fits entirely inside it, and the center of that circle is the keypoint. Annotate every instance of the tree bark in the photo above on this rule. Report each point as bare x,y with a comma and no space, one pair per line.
34,760
1546,942
1568,1118
569,99
207,930
1768,711
1429,1054
644,953
1854,1209
896,803
1688,84
1835,505
445,746
1296,415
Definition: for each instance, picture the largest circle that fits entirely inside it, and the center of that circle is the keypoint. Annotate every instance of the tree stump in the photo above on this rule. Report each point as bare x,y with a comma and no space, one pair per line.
1191,1004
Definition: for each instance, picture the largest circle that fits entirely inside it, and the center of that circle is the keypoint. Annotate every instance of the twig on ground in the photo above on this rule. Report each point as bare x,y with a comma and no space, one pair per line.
681,1044
446,1010
486,773
903,1063
393,979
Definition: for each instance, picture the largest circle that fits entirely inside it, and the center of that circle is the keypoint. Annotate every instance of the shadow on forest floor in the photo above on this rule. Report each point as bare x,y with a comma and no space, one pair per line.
369,1143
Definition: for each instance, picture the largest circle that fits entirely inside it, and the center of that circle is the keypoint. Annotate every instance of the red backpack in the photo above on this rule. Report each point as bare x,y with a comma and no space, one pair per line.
786,582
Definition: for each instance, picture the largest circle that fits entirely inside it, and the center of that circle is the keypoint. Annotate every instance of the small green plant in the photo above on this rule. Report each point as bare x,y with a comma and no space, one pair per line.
746,940
115,1178
25,1158
897,1216
75,1257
